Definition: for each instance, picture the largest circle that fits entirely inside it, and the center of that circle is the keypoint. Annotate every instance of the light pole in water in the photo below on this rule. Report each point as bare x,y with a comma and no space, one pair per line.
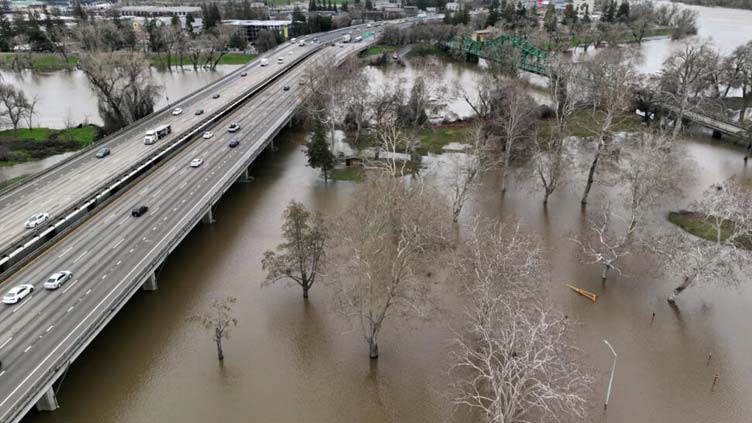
613,368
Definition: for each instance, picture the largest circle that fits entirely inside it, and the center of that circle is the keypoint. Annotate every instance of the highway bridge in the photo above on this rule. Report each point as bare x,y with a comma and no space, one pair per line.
113,255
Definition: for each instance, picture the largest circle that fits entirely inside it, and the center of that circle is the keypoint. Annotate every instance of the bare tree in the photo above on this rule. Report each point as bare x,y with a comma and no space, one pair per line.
14,104
382,247
514,361
31,111
604,244
219,320
683,79
124,89
611,96
465,168
515,120
300,257
723,213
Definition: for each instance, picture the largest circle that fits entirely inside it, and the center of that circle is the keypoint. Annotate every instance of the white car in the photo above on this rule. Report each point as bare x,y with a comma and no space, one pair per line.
234,127
36,220
280,60
208,134
56,280
196,162
17,293
177,111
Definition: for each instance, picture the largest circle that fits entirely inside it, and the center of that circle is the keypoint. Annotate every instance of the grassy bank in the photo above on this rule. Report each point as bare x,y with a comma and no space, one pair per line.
354,174
434,139
227,59
584,123
697,225
424,50
378,49
36,61
8,182
22,145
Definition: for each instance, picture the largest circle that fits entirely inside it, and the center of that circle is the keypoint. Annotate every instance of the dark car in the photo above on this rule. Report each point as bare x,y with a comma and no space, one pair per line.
139,211
215,96
234,143
199,112
286,88
244,74
103,152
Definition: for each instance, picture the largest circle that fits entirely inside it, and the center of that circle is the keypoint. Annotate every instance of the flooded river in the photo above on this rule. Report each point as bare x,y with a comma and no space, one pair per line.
290,361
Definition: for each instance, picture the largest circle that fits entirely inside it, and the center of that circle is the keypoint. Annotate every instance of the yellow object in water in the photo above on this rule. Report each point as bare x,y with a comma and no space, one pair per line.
589,295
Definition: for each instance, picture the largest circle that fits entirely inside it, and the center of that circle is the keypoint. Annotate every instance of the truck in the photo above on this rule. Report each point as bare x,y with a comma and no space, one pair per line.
157,133
264,62
346,38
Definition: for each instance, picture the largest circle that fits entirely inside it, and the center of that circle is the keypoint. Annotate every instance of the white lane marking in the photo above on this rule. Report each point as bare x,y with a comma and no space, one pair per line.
64,252
123,221
158,191
80,257
89,291
49,328
6,342
118,243
69,286
2,373
131,250
103,277
27,349
23,304
69,309
156,210
118,263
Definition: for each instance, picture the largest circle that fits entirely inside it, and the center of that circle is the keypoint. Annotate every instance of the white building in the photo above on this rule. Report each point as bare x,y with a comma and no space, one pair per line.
452,6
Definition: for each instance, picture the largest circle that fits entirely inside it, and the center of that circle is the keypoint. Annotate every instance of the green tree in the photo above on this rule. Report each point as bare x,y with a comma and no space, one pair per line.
622,14
189,20
301,254
493,14
265,40
317,150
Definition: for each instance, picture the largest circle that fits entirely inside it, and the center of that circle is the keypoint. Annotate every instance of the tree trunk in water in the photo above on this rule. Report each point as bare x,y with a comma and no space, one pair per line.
305,291
678,290
373,348
220,354
604,275
591,174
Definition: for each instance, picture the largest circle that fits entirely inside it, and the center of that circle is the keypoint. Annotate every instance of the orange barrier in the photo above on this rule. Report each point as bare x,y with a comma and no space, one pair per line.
589,295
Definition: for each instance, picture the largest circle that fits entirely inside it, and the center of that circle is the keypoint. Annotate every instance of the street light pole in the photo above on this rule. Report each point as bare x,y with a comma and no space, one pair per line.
613,368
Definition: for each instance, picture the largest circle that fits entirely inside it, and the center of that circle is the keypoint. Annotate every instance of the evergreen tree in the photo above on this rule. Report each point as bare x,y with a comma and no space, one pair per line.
493,14
189,20
344,7
549,20
317,150
623,13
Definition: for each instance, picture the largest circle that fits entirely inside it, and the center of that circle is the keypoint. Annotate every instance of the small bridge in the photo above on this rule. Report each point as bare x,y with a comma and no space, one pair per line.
531,58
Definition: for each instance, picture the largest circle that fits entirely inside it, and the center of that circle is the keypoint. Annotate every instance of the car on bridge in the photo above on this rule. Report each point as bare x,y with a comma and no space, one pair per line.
286,88
196,162
234,143
103,152
199,112
208,134
17,293
139,211
56,280
233,127
301,44
177,111
280,60
36,220
244,74
215,96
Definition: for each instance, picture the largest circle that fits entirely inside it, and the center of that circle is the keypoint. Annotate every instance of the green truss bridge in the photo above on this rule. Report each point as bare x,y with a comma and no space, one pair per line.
531,58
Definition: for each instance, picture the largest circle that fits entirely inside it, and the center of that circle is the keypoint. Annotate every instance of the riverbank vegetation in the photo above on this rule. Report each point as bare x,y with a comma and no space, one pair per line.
22,145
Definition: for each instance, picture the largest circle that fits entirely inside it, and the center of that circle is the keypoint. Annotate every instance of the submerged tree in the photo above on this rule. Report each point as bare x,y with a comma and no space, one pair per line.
383,248
300,257
219,320
514,361
721,217
123,86
317,150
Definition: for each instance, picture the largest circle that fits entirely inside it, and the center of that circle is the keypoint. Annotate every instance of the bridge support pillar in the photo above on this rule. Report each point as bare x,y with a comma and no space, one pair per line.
717,134
48,402
209,217
246,176
150,284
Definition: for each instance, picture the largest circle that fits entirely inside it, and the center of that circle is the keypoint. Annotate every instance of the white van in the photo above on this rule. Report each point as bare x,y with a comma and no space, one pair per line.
264,62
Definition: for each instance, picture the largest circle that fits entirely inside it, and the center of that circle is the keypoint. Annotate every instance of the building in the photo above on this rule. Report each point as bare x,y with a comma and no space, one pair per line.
452,6
156,11
249,29
582,6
